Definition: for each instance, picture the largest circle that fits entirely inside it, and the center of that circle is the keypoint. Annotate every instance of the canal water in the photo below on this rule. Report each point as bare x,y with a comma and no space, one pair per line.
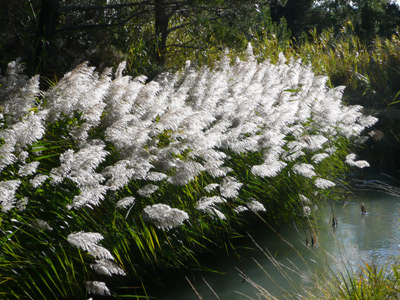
281,262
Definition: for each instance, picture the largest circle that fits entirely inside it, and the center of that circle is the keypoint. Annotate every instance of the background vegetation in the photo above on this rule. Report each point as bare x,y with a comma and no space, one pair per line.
355,43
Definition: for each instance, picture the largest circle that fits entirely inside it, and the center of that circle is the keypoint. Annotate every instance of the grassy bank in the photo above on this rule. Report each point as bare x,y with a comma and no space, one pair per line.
369,282
345,281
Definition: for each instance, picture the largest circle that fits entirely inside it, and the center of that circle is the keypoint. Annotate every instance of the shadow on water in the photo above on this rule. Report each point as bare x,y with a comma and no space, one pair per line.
281,263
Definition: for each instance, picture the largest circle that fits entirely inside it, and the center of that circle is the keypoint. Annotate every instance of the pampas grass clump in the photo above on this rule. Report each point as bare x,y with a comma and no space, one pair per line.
133,176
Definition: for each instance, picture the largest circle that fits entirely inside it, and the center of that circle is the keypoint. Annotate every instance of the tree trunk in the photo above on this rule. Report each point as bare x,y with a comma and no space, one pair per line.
161,30
49,12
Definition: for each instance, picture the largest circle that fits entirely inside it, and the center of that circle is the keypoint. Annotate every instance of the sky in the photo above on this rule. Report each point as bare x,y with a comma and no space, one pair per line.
395,1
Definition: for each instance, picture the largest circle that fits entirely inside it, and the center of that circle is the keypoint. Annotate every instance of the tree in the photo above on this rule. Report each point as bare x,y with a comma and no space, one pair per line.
297,14
101,30
369,17
46,29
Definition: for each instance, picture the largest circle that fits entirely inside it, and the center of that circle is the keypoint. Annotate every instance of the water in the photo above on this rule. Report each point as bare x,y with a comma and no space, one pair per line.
358,238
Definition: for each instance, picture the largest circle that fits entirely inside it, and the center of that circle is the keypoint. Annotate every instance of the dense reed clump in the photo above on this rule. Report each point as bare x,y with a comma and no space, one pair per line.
369,282
370,72
106,177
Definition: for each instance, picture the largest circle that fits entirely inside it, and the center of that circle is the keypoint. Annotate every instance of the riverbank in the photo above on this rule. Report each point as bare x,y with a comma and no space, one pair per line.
285,267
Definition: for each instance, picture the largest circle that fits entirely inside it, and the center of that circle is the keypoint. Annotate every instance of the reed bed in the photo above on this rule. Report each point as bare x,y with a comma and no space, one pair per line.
107,179
370,72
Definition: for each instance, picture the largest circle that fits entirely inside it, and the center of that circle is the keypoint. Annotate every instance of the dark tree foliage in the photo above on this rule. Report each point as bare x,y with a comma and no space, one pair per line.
370,18
60,33
18,24
298,14
52,36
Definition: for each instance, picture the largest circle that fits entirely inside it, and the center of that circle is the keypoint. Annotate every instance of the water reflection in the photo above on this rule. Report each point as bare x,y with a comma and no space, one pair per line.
373,237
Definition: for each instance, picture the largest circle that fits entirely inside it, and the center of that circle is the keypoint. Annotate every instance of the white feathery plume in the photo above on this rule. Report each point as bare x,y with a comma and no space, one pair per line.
295,146
331,150
29,130
314,142
94,113
81,133
90,196
155,176
145,102
125,202
323,183
292,156
87,241
90,156
367,121
211,187
305,170
97,288
317,158
351,130
7,155
215,169
147,190
118,174
84,239
70,93
273,154
186,171
7,192
350,114
23,155
306,210
216,213
239,145
255,206
91,103
19,98
268,169
107,267
21,203
230,187
140,163
195,122
350,160
239,209
58,174
39,224
304,199
197,93
207,204
165,217
38,180
119,99
79,166
28,169
361,164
